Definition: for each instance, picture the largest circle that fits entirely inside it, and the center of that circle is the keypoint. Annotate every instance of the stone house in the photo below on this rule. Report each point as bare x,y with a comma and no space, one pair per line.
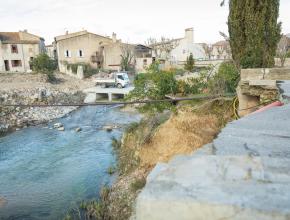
98,51
17,49
221,50
80,47
141,56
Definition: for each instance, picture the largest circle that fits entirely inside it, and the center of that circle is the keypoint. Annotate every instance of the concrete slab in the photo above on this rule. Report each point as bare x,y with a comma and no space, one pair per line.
99,90
90,98
243,174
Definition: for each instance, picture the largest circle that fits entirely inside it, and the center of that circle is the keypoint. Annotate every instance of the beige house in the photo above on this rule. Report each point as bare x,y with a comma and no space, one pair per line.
80,47
17,49
141,56
221,50
98,51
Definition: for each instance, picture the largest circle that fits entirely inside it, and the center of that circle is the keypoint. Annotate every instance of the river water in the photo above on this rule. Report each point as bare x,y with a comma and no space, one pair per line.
44,172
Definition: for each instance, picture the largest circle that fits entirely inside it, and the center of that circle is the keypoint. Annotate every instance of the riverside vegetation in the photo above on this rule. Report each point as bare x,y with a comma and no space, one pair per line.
165,131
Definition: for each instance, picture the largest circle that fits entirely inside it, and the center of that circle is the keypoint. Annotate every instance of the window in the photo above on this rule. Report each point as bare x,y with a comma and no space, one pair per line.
67,53
16,63
145,62
14,48
120,77
81,54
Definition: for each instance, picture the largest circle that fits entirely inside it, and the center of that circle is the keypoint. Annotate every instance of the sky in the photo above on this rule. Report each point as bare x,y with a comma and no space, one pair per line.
134,21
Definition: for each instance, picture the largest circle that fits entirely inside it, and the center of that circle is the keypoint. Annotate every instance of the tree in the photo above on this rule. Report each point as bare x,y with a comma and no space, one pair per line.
189,66
208,50
126,57
254,32
282,50
163,47
225,80
44,64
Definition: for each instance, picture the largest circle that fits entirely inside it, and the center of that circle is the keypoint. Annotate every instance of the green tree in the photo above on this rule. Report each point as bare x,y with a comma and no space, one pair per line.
189,66
254,32
43,64
154,85
225,80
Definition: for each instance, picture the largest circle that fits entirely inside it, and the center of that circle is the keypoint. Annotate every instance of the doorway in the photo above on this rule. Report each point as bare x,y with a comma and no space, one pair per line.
6,62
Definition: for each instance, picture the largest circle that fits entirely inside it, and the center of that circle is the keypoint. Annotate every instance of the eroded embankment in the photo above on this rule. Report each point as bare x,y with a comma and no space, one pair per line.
156,139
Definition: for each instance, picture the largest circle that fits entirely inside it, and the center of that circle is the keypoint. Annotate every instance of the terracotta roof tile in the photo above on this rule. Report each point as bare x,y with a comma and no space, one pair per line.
9,36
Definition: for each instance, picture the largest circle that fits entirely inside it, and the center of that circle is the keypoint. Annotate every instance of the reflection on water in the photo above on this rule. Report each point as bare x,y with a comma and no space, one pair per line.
45,172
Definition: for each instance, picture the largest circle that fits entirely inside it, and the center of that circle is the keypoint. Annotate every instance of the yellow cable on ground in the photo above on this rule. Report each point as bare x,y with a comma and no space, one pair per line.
235,103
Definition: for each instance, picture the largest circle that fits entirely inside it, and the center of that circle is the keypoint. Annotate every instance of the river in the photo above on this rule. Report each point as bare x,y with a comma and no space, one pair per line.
44,173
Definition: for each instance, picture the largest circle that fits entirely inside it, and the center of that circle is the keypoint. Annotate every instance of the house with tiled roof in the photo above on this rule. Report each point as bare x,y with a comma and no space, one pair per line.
81,47
17,49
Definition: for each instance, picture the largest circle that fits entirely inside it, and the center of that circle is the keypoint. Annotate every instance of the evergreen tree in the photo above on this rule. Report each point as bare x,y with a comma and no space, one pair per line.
254,32
189,66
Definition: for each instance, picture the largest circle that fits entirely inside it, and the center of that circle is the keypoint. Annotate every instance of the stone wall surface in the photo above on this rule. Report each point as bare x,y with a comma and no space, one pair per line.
243,174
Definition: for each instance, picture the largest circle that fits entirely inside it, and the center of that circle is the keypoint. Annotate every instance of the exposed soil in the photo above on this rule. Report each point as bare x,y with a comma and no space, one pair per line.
159,139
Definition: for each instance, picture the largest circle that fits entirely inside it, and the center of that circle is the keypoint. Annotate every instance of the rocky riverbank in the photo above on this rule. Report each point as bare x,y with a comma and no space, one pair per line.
14,118
17,89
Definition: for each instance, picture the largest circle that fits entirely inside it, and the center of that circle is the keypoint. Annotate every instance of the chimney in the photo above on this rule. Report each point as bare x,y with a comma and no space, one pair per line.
66,33
189,35
114,37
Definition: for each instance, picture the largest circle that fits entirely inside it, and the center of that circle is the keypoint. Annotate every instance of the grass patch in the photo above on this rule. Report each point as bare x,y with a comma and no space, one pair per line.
138,184
111,170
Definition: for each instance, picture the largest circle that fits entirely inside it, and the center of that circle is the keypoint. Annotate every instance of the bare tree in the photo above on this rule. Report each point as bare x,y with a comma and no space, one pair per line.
282,50
208,50
162,47
127,56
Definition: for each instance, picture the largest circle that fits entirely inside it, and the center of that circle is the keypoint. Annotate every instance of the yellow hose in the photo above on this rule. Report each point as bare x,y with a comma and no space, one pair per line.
235,105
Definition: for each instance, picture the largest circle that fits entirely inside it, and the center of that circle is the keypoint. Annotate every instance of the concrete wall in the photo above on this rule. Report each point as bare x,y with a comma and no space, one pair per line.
266,74
141,65
112,56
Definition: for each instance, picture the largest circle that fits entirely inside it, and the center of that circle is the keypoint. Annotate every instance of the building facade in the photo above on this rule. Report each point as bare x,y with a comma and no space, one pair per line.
81,47
174,53
17,49
98,51
51,51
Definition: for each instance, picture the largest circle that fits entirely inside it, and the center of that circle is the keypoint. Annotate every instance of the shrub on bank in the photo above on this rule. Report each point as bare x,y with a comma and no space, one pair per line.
44,64
226,79
154,85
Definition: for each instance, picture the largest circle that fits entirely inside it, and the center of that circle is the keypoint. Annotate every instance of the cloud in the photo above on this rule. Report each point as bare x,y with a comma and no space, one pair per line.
134,20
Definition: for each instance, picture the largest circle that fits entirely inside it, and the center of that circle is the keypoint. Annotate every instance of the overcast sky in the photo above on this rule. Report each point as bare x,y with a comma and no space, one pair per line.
134,21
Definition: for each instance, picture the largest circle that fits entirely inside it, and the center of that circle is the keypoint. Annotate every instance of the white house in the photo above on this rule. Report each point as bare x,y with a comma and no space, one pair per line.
181,48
